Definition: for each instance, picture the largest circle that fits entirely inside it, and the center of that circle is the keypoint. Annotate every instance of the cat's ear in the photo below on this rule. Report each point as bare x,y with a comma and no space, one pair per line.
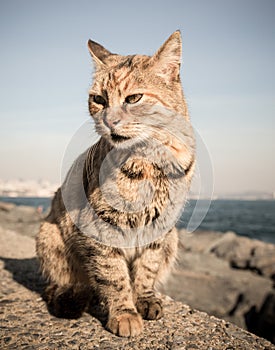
166,61
98,52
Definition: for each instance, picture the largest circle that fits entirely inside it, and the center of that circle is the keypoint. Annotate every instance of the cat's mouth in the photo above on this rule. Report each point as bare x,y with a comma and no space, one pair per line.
118,138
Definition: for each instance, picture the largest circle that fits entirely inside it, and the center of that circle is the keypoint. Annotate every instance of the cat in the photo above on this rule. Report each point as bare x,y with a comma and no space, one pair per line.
110,233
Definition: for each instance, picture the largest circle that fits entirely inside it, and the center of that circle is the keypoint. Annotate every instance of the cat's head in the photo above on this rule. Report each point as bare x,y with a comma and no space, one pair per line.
132,96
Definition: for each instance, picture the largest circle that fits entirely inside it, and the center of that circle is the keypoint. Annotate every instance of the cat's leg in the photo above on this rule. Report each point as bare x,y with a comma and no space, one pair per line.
151,268
109,275
113,283
65,295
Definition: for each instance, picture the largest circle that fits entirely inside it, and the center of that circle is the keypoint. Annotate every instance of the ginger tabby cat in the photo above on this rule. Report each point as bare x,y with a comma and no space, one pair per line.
117,240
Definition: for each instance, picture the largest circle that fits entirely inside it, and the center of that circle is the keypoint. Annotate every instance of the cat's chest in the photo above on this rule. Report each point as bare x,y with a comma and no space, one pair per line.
131,254
132,186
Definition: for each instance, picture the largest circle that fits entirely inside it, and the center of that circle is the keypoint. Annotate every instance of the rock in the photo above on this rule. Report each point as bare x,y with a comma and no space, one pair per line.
227,276
262,322
209,284
240,252
263,259
229,247
16,245
6,207
245,253
199,242
23,219
27,324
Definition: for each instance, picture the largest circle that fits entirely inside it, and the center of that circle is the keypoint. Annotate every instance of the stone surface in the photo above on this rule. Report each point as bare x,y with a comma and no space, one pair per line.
245,253
23,219
212,275
25,322
218,274
240,252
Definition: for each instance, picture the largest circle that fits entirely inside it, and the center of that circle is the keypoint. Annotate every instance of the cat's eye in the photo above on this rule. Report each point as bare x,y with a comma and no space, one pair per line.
133,98
99,100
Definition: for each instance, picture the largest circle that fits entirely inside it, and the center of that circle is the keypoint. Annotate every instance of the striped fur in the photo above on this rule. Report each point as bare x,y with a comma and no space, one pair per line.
140,113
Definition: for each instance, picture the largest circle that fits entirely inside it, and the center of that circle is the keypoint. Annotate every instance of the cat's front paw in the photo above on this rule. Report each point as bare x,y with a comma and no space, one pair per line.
126,325
150,308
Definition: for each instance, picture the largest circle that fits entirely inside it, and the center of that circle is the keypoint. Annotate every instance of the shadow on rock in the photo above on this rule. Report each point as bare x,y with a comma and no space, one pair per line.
63,305
70,302
262,322
69,305
26,273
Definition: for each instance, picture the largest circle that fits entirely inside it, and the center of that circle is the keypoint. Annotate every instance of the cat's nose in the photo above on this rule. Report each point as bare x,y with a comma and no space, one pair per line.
110,123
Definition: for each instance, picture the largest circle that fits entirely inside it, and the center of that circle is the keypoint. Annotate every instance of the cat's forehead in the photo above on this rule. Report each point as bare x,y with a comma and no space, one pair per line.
117,64
123,70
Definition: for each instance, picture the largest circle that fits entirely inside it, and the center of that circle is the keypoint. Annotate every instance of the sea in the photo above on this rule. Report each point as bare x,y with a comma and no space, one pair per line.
251,218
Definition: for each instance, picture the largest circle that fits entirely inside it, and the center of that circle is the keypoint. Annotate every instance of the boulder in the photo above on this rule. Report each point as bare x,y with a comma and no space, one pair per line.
245,253
227,276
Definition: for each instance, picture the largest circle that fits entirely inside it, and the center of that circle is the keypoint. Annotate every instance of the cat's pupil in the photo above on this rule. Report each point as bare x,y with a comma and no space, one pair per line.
133,98
99,100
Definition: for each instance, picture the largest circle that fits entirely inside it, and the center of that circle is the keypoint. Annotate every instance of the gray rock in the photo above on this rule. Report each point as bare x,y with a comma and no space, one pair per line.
218,274
263,259
207,283
245,253
240,252
23,219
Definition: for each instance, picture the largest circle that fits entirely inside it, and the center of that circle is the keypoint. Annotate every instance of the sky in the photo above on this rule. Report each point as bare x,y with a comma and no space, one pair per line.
227,74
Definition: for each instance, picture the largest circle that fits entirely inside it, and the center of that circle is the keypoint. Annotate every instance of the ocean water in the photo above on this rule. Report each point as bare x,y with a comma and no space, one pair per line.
43,202
254,219
251,218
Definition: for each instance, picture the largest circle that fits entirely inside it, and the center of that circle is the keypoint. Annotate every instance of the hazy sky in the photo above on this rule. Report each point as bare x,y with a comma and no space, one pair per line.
227,73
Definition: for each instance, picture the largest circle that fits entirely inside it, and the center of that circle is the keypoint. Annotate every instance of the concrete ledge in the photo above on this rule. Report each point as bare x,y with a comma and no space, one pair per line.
26,324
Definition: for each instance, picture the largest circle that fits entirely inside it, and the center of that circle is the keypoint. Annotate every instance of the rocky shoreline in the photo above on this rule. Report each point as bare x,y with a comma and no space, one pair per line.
228,276
225,275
